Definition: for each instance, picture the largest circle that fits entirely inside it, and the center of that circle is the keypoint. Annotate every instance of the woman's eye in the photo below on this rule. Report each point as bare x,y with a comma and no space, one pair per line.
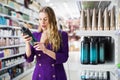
45,19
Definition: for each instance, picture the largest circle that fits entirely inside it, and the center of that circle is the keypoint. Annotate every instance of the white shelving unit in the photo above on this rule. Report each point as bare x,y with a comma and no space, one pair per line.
1,14
32,20
4,15
14,27
18,54
12,46
110,66
107,66
13,65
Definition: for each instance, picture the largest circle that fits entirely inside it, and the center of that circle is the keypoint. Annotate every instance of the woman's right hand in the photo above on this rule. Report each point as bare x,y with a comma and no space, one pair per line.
26,38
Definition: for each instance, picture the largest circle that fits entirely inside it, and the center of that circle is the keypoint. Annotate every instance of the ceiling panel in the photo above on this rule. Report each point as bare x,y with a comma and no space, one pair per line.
71,8
63,8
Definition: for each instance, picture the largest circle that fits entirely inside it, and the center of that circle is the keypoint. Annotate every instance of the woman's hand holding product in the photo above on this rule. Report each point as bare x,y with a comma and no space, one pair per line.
40,46
26,38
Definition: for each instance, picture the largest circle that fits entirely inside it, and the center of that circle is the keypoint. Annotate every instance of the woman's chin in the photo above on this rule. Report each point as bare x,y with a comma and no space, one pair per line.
43,29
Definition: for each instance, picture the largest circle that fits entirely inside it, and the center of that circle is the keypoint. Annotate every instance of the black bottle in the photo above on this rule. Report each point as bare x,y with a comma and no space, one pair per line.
85,53
101,56
26,31
93,51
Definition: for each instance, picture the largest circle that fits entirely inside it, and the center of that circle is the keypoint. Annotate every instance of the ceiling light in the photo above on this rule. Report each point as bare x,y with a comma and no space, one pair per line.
47,1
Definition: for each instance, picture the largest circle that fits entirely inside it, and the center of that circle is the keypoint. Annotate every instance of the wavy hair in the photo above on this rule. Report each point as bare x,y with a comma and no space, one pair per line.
53,34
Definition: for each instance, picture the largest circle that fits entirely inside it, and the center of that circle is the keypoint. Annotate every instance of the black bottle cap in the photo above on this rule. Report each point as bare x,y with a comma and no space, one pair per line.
86,39
23,29
108,75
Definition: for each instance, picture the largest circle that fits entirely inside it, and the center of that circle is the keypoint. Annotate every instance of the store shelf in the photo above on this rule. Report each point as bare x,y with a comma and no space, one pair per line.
10,36
14,27
5,26
10,59
24,74
15,18
105,66
13,65
19,2
12,46
98,33
13,8
12,56
4,75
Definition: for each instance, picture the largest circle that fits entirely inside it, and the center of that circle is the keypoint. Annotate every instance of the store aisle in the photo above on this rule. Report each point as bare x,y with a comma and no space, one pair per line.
27,77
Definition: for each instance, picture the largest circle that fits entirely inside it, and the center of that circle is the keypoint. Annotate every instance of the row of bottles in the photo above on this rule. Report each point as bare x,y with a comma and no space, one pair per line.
8,41
93,49
95,75
9,52
12,72
11,61
9,31
98,20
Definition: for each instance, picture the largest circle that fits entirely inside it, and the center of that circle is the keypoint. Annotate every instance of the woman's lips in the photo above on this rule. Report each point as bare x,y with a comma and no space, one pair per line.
43,26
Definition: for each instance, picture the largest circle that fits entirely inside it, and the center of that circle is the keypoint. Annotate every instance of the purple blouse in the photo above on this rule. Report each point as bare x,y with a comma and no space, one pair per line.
48,68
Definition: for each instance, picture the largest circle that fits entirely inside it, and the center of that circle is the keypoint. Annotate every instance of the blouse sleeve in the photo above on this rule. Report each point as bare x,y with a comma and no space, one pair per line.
31,57
62,55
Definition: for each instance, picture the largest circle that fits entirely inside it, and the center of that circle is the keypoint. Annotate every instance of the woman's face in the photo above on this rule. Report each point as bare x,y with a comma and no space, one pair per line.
43,20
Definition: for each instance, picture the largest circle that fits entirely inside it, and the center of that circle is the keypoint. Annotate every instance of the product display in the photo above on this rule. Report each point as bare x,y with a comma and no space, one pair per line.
95,50
12,47
101,19
95,75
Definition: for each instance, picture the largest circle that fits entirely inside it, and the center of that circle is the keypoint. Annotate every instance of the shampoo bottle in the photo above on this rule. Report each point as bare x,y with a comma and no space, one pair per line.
85,50
93,51
26,31
101,56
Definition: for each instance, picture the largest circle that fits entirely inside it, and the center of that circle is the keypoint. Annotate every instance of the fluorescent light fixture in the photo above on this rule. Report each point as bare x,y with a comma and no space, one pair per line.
68,9
51,4
47,1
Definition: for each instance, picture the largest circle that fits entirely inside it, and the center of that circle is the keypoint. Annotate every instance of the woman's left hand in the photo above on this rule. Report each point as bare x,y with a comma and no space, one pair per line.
40,46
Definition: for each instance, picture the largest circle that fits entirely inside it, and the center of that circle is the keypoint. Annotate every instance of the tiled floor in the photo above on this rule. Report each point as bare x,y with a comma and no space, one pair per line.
71,67
27,77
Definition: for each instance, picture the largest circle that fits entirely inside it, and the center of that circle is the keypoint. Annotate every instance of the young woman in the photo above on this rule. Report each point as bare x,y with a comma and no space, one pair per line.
51,48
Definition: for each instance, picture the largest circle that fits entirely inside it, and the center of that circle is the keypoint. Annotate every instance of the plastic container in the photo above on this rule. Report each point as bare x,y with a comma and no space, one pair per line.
93,51
85,53
101,56
26,31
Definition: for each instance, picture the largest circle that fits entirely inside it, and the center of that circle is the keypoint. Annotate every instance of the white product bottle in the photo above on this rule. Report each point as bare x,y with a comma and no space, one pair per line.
87,75
94,21
100,20
112,19
89,25
82,23
106,20
83,75
105,75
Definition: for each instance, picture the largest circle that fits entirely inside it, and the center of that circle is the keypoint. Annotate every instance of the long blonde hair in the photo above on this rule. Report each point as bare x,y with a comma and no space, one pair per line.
53,34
